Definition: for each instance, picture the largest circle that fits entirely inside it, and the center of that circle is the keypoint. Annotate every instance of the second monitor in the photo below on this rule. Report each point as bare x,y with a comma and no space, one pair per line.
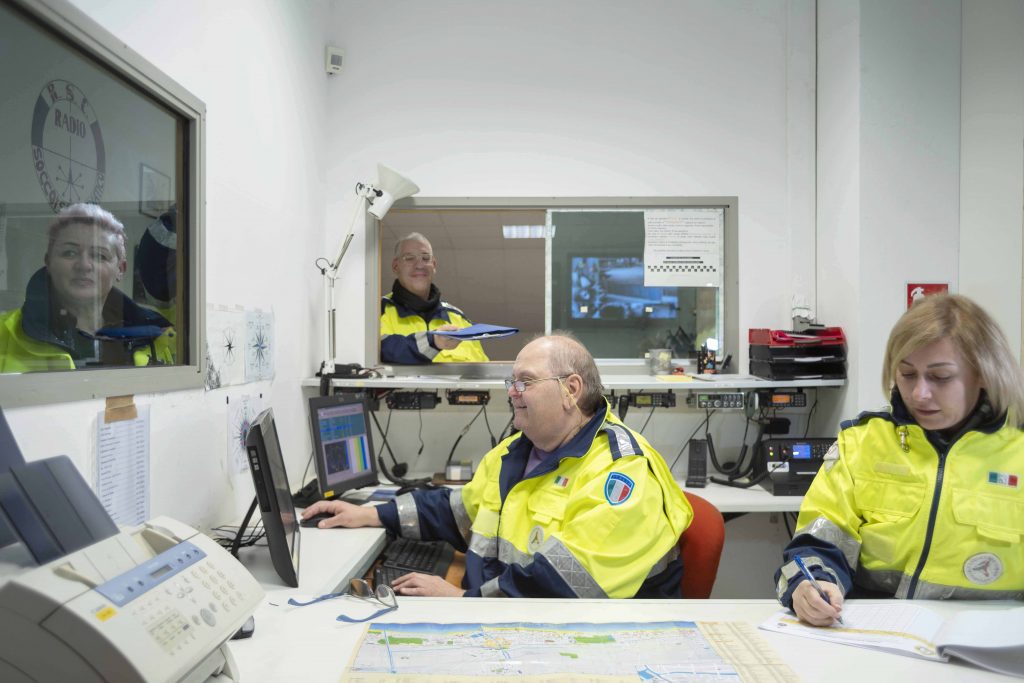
342,444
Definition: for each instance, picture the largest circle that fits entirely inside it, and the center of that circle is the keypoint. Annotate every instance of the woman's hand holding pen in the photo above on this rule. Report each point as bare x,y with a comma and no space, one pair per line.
809,606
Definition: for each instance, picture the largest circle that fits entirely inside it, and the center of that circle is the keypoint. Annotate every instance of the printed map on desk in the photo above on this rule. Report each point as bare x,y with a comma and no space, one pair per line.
674,651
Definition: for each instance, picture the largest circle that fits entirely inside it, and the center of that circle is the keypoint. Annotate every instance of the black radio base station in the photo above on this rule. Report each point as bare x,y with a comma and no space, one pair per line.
790,464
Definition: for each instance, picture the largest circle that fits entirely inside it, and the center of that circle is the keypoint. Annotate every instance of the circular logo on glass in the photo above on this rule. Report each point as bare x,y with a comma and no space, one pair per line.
67,146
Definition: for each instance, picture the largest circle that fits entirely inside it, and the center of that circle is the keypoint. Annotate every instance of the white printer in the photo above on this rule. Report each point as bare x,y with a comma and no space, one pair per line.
157,602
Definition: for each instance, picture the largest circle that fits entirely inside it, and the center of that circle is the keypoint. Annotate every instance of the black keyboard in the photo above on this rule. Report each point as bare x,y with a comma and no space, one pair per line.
404,555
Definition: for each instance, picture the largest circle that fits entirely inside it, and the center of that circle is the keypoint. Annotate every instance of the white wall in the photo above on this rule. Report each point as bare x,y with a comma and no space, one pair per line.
258,66
992,157
583,98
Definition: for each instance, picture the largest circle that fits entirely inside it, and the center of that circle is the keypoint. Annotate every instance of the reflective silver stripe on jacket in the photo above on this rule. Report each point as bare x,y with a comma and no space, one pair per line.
824,529
898,583
483,546
624,444
462,519
490,589
408,518
571,571
423,345
791,571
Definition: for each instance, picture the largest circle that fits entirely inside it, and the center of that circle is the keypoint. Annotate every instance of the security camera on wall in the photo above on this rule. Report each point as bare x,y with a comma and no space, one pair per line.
333,60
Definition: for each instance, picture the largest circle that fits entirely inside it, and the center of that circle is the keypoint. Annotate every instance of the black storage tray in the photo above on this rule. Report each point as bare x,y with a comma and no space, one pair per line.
783,370
826,352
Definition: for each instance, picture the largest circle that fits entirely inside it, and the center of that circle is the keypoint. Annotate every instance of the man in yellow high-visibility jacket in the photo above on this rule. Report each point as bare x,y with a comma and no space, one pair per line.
413,311
575,505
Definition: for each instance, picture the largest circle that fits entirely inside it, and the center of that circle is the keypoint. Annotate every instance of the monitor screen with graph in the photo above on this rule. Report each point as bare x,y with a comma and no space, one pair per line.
342,444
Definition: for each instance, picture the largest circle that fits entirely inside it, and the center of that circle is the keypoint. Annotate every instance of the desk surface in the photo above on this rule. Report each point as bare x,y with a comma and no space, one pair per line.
308,644
609,380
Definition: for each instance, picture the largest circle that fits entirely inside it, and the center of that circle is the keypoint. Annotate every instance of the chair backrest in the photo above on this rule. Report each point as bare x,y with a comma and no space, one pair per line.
701,548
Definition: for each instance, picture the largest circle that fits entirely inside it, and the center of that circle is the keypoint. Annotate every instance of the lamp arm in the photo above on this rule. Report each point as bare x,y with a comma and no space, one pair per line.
330,273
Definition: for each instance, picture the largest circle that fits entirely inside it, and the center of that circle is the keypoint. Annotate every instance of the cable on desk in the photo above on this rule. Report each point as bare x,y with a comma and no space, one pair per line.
649,416
400,468
686,442
494,442
810,413
462,434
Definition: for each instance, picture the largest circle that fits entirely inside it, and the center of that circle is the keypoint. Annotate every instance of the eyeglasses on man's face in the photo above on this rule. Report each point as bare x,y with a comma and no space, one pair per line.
520,384
409,259
358,588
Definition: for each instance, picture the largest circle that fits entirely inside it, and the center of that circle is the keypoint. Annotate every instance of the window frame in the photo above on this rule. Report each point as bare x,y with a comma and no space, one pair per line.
730,279
69,24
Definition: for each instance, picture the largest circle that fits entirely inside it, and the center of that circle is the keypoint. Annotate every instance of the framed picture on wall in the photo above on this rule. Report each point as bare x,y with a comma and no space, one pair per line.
154,191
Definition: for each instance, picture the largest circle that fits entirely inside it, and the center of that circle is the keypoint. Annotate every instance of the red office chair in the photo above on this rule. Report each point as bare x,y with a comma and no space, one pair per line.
701,548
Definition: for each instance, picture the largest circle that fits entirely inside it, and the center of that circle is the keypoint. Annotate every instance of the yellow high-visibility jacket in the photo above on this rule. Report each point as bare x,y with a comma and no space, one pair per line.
895,511
600,518
405,336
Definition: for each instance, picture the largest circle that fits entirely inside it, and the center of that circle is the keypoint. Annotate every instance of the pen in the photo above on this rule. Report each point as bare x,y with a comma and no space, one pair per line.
810,577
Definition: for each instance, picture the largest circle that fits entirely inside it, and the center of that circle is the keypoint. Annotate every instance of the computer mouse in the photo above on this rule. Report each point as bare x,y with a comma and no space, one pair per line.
315,519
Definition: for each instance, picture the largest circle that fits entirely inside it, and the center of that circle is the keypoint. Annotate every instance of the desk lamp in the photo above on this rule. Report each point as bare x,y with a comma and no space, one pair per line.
376,200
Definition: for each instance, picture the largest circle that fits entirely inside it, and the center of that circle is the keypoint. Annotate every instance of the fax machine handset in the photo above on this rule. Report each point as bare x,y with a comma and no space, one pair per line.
155,602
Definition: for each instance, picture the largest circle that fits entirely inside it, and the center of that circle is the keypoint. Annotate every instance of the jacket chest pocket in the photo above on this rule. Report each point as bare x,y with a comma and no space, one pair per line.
888,500
998,519
547,508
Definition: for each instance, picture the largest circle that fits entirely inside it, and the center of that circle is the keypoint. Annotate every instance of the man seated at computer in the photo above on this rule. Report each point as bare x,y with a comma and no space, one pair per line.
413,311
576,505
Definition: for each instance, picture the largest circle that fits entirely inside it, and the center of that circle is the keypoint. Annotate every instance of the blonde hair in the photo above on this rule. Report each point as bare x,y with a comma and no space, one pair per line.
974,334
570,357
89,214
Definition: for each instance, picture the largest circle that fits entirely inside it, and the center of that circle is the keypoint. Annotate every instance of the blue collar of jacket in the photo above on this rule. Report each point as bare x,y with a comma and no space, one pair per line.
982,419
42,318
514,462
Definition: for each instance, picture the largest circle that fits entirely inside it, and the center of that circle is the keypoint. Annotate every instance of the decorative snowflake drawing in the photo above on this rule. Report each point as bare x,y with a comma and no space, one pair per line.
229,347
261,347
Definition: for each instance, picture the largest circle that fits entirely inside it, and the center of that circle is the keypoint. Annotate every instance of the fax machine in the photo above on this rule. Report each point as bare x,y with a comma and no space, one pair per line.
156,602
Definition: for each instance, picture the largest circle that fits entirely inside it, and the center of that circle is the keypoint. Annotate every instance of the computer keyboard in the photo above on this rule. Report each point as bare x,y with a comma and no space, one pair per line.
404,555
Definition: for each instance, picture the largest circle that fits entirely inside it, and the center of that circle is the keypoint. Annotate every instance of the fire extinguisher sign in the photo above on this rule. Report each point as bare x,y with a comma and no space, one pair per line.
919,290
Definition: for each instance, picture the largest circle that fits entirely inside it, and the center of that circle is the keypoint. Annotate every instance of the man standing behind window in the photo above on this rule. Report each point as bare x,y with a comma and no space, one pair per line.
413,311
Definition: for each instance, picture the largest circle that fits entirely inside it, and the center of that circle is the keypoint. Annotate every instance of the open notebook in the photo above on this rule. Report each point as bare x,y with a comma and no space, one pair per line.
993,639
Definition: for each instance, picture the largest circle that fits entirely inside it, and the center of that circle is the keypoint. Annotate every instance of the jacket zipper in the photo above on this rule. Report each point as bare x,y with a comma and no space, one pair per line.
932,515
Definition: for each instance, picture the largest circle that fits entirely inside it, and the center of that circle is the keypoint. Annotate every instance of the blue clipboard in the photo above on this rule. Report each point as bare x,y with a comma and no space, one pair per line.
479,331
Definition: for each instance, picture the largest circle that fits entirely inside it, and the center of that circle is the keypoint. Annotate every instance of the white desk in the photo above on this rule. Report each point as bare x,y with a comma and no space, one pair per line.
307,644
754,499
328,559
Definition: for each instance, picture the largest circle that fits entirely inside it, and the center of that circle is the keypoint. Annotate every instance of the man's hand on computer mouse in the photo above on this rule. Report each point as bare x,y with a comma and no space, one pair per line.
426,585
345,514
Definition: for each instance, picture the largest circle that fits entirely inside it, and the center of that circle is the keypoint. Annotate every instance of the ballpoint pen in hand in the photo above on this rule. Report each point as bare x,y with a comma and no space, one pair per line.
810,577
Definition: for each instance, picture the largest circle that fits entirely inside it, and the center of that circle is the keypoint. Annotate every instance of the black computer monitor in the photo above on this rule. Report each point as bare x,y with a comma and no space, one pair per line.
342,444
273,496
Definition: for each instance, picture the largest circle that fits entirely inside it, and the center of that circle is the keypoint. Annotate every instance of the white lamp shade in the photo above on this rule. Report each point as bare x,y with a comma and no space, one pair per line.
394,183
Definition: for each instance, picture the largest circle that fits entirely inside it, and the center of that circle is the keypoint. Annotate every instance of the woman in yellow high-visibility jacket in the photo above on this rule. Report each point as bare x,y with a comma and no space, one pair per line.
924,500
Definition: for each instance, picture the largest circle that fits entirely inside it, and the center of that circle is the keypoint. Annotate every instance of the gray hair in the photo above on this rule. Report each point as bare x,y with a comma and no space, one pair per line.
411,236
89,214
570,357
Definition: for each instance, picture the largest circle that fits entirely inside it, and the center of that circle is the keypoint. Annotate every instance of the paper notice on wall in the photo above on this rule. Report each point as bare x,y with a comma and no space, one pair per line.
225,340
122,467
259,346
683,247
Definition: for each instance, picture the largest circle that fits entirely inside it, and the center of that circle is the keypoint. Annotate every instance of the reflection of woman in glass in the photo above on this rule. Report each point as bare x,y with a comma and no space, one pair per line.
73,316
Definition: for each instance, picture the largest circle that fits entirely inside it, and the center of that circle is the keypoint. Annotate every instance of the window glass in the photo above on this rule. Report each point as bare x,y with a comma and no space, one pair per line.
93,178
